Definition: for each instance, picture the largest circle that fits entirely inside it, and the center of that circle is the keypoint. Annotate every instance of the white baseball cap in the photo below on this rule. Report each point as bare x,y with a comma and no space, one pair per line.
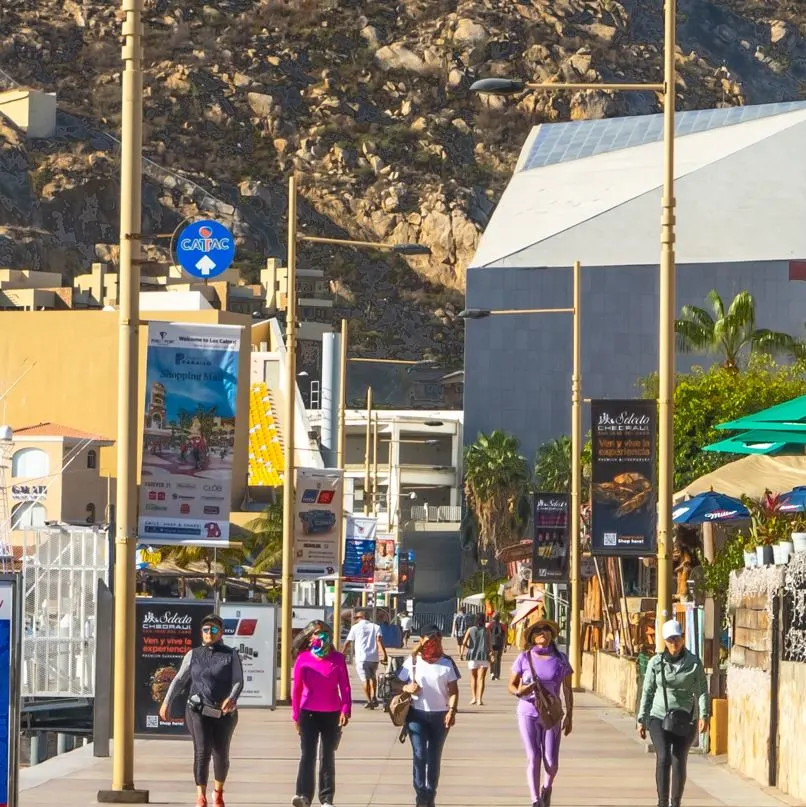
671,629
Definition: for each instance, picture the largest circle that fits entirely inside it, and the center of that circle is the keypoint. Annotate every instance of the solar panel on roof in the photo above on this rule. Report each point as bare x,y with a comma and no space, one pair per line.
563,142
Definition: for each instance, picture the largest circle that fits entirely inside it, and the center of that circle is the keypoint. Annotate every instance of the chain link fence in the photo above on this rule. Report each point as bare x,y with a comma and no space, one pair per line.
61,568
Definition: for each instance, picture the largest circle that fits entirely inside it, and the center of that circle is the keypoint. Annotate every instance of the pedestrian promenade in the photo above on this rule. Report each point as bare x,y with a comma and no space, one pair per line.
602,764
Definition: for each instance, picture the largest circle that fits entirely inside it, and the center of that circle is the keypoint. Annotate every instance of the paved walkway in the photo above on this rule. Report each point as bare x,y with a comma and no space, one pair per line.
602,764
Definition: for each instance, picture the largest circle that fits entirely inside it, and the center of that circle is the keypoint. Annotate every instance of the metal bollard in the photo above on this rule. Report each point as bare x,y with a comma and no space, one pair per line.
63,743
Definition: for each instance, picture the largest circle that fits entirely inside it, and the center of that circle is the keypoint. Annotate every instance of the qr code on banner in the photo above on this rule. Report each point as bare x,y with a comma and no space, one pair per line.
610,539
152,721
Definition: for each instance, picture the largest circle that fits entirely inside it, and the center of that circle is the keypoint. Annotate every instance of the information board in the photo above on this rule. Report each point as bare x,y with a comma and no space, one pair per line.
252,630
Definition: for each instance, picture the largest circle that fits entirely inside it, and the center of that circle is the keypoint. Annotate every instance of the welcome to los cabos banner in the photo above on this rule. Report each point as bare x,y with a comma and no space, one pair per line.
188,433
624,489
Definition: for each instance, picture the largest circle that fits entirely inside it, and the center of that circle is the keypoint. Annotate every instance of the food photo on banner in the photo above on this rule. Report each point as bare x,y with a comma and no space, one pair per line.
252,630
623,487
316,529
189,433
550,545
385,561
359,550
165,631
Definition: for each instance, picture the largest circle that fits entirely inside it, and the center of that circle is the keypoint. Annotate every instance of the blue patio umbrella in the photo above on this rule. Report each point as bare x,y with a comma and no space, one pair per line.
794,501
707,507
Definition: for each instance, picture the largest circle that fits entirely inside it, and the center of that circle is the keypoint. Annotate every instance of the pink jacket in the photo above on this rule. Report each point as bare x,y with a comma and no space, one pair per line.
321,685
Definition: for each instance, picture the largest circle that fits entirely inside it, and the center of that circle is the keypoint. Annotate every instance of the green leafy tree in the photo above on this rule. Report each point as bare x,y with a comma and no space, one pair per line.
705,398
732,333
497,489
553,466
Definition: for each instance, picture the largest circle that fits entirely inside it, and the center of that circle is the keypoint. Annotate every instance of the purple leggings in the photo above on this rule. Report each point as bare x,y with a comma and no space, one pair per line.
542,750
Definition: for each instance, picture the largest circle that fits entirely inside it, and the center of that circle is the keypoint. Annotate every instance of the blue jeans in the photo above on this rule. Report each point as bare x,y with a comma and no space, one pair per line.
427,733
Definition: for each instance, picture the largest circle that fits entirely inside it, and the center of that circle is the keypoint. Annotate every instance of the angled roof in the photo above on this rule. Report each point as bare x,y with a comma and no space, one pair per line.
49,429
590,191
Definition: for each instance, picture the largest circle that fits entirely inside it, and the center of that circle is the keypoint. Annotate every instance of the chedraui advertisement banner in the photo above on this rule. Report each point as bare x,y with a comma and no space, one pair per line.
188,433
318,516
623,496
550,546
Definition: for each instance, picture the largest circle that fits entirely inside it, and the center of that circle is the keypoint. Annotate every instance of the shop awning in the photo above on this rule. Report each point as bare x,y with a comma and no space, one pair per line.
789,416
525,607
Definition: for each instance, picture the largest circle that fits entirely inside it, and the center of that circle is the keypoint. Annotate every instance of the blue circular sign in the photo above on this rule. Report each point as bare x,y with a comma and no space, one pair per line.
205,249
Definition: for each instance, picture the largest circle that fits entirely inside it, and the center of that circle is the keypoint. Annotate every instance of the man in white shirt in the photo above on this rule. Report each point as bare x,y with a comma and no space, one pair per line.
405,628
365,638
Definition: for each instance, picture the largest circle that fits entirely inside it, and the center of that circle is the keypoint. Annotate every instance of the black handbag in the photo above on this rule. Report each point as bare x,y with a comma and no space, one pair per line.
676,721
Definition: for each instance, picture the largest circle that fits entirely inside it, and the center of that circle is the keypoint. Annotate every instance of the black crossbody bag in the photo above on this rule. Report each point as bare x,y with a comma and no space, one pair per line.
677,721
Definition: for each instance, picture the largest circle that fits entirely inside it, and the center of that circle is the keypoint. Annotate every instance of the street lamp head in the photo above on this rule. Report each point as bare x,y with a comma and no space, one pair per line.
498,86
411,249
474,313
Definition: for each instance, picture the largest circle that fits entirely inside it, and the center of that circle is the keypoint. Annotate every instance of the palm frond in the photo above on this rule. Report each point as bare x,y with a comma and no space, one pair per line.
693,335
717,304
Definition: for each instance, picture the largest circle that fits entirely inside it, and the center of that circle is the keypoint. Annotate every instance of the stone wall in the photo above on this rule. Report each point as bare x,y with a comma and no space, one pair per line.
613,677
792,729
749,693
588,678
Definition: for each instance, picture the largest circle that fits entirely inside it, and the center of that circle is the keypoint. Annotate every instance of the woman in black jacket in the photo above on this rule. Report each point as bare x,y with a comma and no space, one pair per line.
212,675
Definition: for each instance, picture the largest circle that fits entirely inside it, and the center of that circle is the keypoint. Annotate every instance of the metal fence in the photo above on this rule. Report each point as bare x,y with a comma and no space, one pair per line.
61,568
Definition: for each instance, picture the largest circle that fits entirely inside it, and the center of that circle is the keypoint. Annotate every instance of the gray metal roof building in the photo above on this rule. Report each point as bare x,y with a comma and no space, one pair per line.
591,191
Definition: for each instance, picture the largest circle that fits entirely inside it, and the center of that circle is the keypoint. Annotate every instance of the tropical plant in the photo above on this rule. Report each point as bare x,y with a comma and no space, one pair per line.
553,467
263,549
496,489
716,574
731,334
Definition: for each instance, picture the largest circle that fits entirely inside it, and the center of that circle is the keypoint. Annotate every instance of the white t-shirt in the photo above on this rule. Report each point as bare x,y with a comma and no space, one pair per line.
364,636
405,623
434,680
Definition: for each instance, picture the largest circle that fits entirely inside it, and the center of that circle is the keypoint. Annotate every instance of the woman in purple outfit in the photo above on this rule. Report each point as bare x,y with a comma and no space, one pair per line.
544,661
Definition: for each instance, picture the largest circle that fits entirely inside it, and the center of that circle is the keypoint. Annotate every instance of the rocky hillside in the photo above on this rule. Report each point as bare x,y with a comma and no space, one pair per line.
367,100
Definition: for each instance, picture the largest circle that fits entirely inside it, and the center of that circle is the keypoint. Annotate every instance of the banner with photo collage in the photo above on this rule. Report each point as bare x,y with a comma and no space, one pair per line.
550,546
360,550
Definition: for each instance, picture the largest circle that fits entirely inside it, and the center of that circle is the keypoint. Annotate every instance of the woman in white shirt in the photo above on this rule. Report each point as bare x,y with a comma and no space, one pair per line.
431,679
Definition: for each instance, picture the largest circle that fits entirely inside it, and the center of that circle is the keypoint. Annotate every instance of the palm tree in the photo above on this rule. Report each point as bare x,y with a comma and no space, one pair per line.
497,489
732,333
263,549
553,466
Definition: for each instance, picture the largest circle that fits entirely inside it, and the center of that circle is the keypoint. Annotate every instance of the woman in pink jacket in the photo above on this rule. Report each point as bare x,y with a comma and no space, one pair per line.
321,701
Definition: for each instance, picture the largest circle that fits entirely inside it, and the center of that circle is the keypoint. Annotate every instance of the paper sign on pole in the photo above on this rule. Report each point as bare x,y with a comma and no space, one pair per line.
316,528
189,433
252,630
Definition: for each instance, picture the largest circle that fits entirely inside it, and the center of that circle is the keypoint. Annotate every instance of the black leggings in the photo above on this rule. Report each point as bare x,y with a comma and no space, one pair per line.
671,753
211,738
314,726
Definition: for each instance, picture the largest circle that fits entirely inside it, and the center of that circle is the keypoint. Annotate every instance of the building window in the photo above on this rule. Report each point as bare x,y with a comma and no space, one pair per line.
90,513
28,515
92,459
30,463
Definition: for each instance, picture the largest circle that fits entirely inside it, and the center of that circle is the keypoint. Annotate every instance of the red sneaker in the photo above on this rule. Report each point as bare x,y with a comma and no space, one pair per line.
218,798
201,801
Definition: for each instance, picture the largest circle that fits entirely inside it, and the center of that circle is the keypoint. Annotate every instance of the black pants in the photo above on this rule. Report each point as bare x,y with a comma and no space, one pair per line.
671,751
495,664
312,726
211,738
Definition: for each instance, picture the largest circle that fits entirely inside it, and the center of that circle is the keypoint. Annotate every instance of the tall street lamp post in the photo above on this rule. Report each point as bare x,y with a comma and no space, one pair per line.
575,649
289,514
502,86
131,141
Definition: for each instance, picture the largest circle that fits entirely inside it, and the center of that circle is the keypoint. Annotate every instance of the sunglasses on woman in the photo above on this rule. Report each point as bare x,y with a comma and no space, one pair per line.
212,629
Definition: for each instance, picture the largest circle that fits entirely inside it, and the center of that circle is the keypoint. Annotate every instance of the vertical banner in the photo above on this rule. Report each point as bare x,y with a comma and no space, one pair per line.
252,630
10,637
386,562
164,632
402,571
188,433
318,513
550,546
624,515
359,550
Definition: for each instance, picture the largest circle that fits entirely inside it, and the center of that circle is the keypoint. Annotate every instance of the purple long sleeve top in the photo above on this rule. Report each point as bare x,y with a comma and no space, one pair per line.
321,684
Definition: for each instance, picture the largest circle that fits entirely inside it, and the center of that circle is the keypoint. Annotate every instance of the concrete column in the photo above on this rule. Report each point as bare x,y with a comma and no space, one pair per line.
38,748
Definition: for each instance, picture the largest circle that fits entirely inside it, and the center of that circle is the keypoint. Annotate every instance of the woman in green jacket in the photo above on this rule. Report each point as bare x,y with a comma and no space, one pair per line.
674,686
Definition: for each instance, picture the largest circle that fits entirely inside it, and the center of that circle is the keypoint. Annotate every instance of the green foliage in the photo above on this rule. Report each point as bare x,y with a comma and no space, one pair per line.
496,489
705,398
717,574
731,333
553,467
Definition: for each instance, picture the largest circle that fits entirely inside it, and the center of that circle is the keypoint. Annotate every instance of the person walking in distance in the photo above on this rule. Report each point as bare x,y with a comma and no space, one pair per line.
368,649
321,701
460,625
405,627
430,677
541,665
498,640
212,676
675,694
476,648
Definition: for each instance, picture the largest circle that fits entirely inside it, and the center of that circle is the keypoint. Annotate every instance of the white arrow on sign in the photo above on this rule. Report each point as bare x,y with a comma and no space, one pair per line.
205,264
